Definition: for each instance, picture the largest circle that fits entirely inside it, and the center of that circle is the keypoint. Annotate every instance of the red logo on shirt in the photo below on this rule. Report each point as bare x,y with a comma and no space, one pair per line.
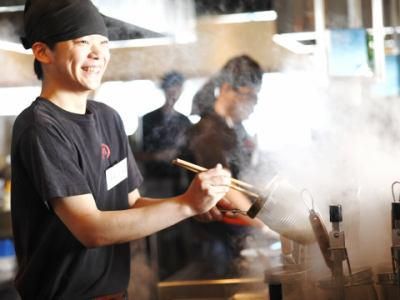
105,151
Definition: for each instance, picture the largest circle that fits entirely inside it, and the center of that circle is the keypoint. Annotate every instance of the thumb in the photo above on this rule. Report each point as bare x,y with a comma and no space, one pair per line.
219,166
226,204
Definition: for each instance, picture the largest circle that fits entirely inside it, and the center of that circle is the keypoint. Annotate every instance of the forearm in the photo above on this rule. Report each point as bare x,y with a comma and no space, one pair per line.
147,217
95,228
144,201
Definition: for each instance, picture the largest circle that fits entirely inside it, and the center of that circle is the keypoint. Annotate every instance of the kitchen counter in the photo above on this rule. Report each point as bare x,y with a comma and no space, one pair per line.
221,289
189,284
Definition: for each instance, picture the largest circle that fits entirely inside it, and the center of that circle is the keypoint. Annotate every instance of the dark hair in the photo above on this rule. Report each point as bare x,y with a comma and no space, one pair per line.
170,79
241,71
37,66
238,71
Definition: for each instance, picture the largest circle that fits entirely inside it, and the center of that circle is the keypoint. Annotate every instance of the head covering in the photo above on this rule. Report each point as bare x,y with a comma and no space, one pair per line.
60,20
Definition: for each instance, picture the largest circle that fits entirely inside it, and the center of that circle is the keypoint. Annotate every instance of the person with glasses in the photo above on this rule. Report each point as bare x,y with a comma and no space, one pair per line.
223,103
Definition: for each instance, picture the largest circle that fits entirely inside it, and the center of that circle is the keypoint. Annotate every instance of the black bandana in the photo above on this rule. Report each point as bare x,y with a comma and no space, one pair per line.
60,20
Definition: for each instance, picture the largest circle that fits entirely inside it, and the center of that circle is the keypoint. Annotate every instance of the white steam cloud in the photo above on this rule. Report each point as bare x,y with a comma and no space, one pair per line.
341,143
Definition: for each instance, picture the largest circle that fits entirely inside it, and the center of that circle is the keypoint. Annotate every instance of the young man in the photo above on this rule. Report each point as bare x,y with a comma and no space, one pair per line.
226,101
75,203
223,103
163,133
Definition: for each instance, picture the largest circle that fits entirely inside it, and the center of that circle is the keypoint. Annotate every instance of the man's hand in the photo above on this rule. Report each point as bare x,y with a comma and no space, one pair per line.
206,189
214,214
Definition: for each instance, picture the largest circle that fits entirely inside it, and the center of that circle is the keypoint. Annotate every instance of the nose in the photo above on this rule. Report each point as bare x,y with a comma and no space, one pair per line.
98,51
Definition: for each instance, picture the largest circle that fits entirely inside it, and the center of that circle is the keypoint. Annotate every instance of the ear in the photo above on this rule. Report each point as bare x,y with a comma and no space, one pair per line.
42,52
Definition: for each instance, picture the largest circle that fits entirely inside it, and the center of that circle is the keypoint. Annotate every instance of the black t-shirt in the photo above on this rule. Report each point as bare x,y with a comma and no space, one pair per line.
56,153
212,141
163,131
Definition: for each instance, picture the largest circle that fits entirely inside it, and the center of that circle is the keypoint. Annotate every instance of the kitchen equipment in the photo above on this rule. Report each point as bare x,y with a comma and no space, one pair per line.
389,282
337,244
396,235
211,289
388,287
357,286
279,205
288,282
320,231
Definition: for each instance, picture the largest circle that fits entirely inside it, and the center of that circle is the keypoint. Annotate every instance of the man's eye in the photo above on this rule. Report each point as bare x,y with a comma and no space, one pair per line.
82,42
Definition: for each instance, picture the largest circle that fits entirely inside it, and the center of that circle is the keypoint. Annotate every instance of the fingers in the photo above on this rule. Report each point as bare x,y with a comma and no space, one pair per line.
231,214
204,217
212,215
225,204
216,177
207,189
216,214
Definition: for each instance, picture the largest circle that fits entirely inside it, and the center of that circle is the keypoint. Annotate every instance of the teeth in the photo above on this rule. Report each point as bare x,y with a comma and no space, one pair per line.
91,69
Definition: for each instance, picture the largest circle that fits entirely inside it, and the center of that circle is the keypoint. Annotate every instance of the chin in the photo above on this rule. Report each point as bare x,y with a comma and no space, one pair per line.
92,85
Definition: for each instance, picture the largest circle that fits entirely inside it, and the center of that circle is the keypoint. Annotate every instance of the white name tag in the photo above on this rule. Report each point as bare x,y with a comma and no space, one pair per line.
116,173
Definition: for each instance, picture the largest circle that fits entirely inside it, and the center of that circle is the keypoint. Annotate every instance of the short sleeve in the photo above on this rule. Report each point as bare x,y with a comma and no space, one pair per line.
134,176
52,163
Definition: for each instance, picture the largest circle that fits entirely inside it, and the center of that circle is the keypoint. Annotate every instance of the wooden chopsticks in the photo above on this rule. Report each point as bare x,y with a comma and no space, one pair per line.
236,184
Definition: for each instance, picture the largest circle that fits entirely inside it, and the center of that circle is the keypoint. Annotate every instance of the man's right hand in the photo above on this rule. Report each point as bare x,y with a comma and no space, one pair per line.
207,188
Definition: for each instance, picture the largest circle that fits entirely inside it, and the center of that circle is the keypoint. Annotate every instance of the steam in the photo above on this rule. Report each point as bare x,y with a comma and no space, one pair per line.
10,29
349,157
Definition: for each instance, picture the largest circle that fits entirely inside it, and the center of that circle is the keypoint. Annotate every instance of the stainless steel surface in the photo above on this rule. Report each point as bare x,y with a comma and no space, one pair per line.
221,289
322,236
387,286
293,280
395,249
358,286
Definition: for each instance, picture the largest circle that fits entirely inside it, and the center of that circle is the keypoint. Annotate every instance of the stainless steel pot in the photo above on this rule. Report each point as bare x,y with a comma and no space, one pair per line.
388,287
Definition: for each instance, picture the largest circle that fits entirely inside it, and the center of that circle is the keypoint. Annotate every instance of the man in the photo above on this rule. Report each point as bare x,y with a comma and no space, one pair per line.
164,132
75,203
224,102
219,136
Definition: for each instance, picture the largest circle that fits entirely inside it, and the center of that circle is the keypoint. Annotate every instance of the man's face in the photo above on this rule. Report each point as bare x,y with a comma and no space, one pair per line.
172,94
241,102
79,64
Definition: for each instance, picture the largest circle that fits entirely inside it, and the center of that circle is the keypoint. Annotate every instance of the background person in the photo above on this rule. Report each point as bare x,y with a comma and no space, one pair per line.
163,135
224,102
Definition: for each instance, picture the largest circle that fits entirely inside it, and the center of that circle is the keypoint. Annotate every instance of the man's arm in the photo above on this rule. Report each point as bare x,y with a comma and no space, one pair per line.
95,228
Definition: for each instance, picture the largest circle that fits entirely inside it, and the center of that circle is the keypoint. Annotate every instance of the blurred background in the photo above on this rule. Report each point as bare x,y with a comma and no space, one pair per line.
326,119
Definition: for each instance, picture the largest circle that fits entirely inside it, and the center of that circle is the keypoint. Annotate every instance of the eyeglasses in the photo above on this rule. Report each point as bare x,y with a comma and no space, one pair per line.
246,92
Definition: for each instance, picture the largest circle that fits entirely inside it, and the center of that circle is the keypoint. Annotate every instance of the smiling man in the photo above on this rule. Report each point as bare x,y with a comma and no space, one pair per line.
75,203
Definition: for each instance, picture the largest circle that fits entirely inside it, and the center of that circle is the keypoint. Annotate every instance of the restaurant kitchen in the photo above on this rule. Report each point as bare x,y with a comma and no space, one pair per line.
326,124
